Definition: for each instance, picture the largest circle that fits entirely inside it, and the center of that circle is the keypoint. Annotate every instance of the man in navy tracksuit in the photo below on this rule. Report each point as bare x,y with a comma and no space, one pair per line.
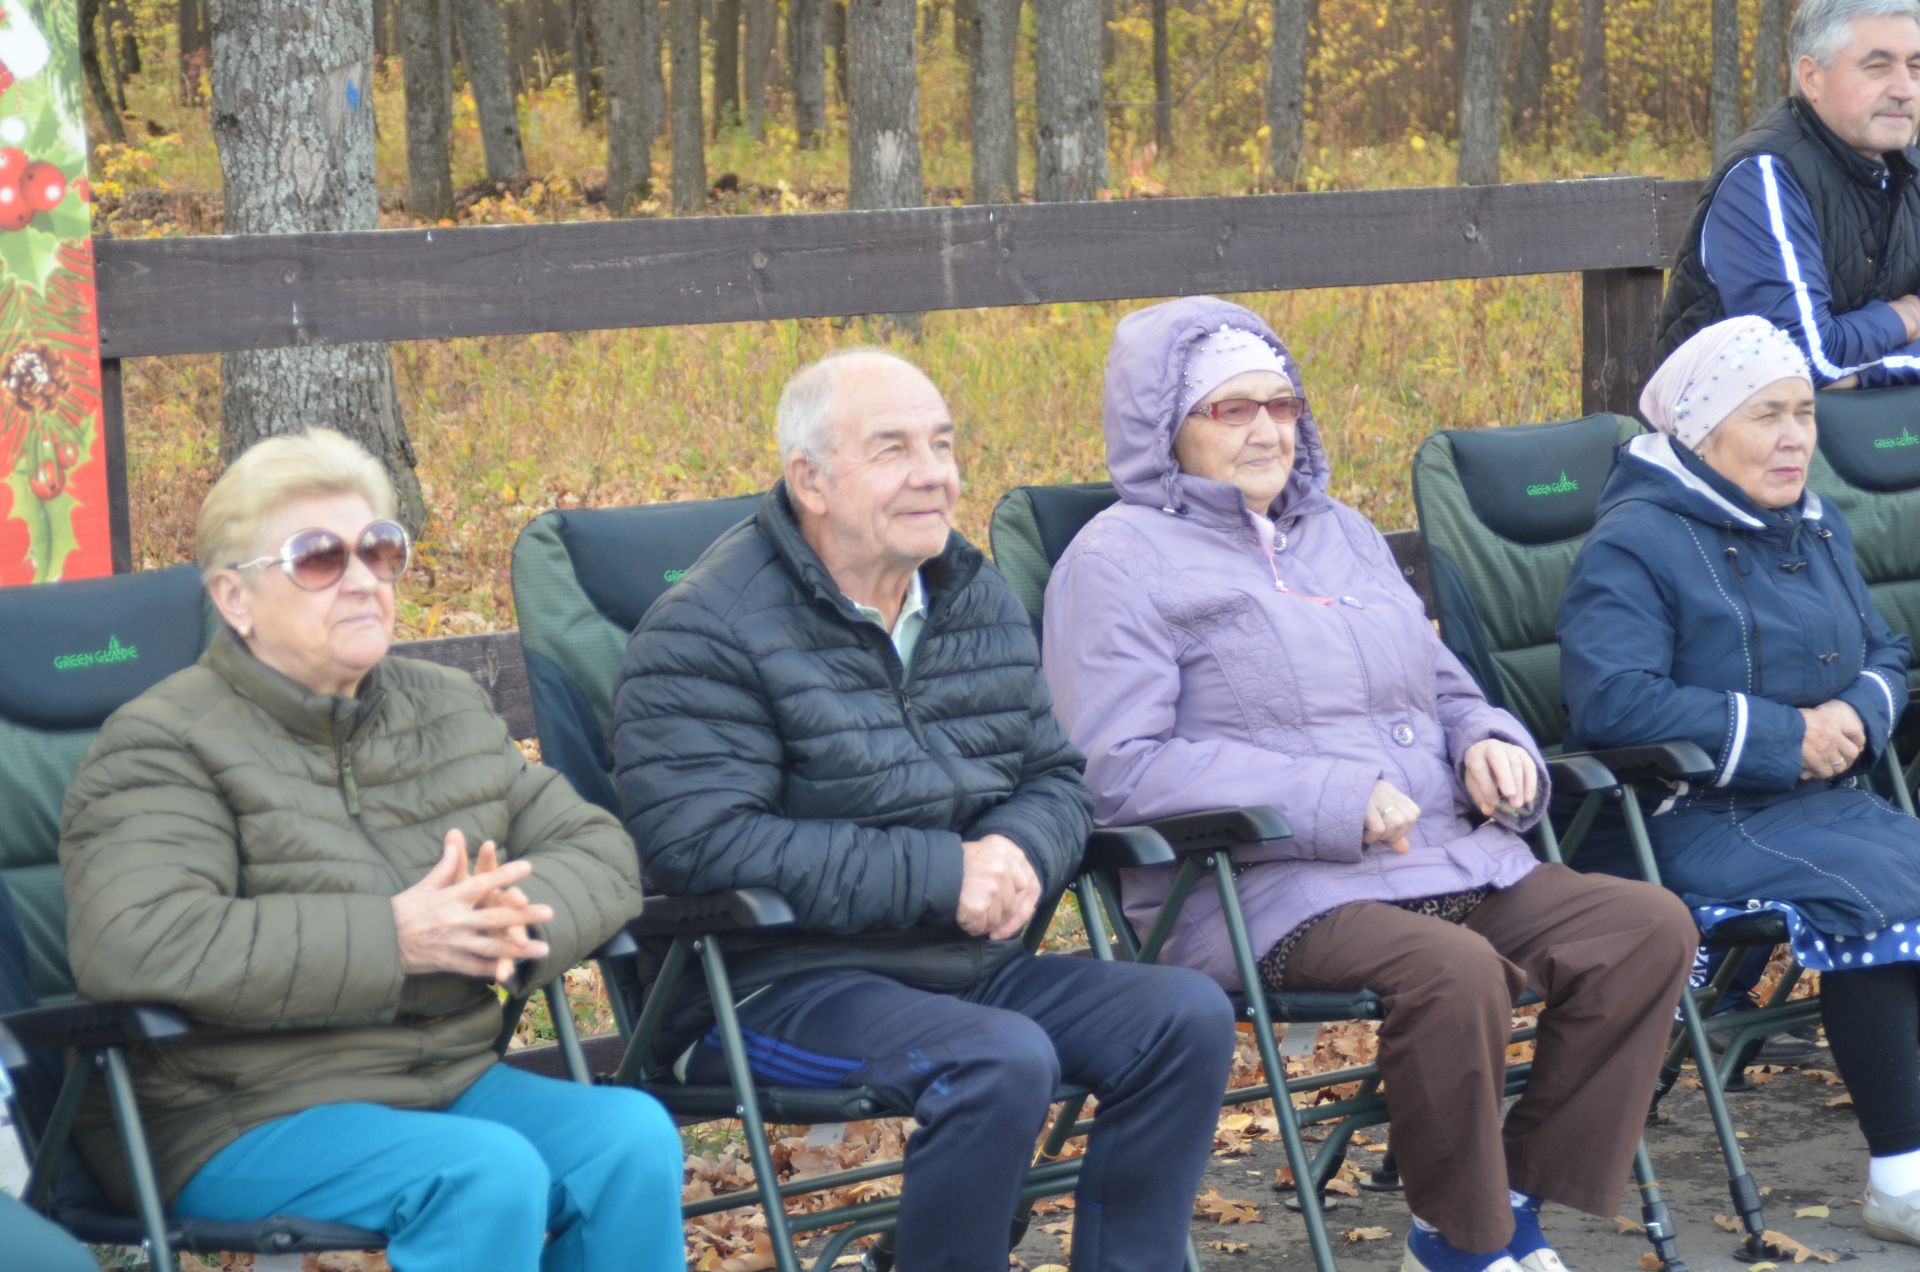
1812,219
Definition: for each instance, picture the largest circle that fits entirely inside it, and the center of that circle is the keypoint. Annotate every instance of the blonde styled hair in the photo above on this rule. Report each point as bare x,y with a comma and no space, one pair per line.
318,462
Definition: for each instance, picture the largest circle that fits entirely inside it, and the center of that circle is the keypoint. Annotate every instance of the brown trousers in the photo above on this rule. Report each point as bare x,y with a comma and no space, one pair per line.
1608,957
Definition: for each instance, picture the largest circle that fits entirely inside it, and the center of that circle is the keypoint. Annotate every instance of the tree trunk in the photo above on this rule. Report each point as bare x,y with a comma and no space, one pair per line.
1108,46
1593,62
1483,73
725,36
121,15
382,28
293,119
1530,77
116,74
1724,96
90,68
429,91
806,29
629,129
884,123
966,29
689,142
579,54
483,44
1287,94
1769,59
1072,160
762,20
996,144
1162,81
187,23
836,22
650,68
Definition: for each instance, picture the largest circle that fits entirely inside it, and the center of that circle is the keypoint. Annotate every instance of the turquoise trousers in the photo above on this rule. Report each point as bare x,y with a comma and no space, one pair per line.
520,1173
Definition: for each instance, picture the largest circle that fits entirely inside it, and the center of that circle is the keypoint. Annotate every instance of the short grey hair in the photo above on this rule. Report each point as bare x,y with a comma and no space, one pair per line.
312,464
805,413
1822,27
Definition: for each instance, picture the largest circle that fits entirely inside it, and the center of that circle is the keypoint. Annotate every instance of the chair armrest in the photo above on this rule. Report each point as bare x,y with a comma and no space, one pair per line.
1222,828
1673,761
12,1054
1120,846
740,909
85,1024
620,945
1579,774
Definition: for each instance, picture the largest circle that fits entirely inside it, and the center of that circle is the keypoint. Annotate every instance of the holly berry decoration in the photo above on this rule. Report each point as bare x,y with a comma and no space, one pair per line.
48,480
28,188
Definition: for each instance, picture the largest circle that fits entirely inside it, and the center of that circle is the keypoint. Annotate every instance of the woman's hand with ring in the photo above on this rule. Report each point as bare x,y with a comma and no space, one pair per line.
1390,815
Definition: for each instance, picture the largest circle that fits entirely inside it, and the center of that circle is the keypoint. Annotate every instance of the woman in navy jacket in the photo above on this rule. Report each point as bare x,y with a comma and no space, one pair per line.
1717,601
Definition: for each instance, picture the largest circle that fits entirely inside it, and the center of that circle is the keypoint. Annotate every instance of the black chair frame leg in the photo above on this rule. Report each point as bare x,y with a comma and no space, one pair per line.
1740,1186
766,1180
133,1137
1654,1215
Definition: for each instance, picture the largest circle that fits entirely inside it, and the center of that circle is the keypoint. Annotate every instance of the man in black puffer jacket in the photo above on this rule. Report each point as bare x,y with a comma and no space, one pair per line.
842,700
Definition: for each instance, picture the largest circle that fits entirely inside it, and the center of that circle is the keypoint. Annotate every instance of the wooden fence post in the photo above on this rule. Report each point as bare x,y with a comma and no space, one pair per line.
1618,311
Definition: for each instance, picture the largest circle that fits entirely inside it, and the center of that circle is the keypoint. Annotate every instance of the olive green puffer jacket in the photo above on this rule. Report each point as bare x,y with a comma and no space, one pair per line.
231,844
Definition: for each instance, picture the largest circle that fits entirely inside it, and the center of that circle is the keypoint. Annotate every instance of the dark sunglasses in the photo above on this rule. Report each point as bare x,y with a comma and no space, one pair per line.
1238,412
317,559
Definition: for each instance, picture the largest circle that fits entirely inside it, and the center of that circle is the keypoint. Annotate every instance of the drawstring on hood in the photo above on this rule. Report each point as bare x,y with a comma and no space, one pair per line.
1141,415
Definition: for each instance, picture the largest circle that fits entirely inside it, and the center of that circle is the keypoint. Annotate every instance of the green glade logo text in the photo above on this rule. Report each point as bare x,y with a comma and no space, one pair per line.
1565,485
115,652
1906,438
673,576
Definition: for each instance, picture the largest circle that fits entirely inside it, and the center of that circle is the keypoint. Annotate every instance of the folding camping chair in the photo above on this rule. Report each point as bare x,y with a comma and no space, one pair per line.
1032,526
1503,512
582,580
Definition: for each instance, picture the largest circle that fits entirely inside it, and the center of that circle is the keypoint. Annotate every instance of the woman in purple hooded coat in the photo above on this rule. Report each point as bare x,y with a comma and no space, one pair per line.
1230,634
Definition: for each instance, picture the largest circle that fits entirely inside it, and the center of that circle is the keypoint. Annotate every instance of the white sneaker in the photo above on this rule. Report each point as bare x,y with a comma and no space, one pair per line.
1892,1218
1542,1261
1411,1262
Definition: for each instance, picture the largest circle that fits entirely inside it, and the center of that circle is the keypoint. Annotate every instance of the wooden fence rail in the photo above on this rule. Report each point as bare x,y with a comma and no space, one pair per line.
215,294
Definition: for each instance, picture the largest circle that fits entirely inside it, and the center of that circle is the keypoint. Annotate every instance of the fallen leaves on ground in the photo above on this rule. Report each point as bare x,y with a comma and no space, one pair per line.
1228,1247
1211,1205
1800,1253
1623,1226
1813,1212
1353,1236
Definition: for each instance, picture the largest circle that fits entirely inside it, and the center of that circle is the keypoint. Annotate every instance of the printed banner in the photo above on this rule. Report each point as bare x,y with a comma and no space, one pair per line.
53,482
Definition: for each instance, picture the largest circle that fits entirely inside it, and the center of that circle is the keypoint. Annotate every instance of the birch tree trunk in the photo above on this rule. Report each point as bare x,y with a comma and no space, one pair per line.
1287,94
806,27
429,89
483,44
1724,96
884,147
652,31
689,141
90,71
1483,73
1530,77
996,153
579,54
623,83
293,119
1072,121
1769,59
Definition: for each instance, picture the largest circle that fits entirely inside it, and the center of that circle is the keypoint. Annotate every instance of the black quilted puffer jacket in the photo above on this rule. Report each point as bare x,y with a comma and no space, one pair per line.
764,735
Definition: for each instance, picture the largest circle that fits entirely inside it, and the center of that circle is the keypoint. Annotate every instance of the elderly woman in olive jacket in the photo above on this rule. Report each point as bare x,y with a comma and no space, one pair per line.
276,840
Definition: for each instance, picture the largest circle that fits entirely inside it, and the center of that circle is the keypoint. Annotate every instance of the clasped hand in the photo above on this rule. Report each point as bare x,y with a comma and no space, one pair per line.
998,888
1833,740
473,923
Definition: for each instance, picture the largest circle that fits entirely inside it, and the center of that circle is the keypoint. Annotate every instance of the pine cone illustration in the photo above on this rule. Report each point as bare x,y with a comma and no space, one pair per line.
35,378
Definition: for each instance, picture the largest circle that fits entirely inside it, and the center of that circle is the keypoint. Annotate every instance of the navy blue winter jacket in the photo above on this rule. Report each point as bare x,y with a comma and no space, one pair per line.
1694,614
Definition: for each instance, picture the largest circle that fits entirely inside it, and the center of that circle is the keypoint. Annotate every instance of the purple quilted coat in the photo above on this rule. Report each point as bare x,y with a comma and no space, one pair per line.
1202,656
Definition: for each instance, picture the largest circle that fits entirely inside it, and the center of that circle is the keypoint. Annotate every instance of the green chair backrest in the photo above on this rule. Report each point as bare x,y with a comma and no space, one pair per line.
1032,526
1503,512
1868,464
75,653
581,581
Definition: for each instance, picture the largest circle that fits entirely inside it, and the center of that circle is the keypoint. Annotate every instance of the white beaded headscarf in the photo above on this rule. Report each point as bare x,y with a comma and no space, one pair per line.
1219,356
1717,369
